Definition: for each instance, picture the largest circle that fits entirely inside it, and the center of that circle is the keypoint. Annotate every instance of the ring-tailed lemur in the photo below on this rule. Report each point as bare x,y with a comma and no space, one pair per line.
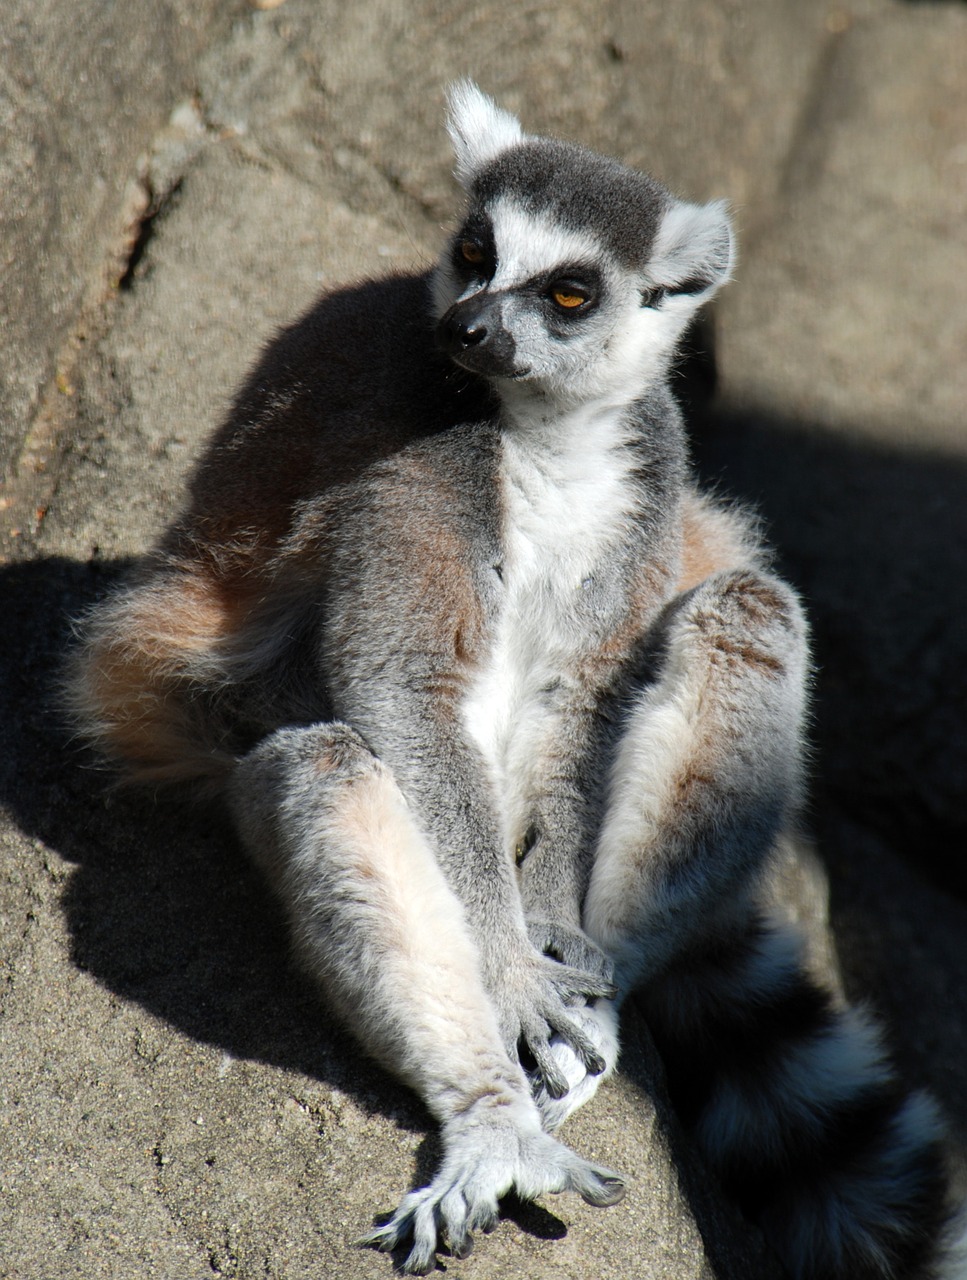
511,716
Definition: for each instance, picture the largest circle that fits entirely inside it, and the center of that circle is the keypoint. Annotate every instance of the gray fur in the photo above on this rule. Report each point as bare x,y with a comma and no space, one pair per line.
502,707
586,192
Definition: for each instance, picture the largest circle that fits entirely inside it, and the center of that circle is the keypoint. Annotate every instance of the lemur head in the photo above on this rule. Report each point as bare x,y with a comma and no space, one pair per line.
571,275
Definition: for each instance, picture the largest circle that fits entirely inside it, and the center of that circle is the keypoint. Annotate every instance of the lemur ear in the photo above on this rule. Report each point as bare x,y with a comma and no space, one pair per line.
694,249
478,128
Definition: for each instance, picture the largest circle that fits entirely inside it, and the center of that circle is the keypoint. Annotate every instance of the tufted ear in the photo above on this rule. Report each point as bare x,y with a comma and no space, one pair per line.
695,249
478,128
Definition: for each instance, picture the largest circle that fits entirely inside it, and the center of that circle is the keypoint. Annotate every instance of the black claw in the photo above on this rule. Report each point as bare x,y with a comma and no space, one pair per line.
609,1191
555,1088
594,1063
463,1248
555,1082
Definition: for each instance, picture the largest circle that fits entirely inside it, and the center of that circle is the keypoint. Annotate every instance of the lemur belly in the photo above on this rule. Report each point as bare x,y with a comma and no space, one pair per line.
565,502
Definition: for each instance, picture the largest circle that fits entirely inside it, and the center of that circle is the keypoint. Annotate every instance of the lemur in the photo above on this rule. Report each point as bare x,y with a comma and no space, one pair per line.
511,715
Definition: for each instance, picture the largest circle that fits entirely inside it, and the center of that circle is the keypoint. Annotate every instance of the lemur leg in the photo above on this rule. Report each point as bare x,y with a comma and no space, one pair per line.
707,772
376,923
791,1098
701,781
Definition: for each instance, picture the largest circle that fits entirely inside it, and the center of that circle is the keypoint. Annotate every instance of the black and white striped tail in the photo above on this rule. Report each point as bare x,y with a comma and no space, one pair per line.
796,1106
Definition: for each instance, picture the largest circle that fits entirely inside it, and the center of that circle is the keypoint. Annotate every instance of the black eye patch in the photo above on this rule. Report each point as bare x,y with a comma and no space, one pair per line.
473,253
569,296
572,290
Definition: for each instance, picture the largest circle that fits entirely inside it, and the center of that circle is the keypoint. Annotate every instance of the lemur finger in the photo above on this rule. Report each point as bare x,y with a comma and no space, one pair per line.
393,1232
593,960
570,947
583,955
597,1185
461,1246
575,984
422,1257
483,1214
419,1263
537,1039
386,1237
581,1043
453,1220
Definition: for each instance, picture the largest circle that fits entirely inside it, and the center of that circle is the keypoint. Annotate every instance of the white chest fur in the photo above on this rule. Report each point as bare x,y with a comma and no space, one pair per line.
567,498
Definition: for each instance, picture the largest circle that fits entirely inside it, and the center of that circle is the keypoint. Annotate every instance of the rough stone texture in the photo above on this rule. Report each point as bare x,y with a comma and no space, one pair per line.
862,252
80,100
173,1099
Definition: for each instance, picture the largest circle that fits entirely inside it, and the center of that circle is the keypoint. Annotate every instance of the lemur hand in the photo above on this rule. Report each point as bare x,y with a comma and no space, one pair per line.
570,946
532,993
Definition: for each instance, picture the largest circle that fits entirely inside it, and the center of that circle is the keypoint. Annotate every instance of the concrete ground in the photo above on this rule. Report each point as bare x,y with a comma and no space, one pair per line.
180,178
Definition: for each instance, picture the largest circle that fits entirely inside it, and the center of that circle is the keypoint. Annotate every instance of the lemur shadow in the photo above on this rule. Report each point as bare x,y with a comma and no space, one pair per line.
163,909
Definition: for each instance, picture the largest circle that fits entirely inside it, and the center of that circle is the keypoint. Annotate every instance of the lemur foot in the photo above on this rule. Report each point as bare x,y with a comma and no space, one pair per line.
486,1156
599,1022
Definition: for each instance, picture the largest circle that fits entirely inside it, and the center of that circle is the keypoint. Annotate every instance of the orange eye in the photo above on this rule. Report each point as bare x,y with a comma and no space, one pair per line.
471,252
567,299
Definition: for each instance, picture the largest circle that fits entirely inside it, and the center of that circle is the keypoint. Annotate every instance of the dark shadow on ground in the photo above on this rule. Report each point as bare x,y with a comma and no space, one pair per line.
875,539
162,908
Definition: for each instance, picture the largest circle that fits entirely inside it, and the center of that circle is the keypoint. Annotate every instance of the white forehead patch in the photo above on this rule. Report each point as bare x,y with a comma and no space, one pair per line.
529,245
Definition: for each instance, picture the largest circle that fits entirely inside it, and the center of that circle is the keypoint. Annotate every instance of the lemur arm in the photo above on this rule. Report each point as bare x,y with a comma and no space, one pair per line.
400,634
555,848
438,774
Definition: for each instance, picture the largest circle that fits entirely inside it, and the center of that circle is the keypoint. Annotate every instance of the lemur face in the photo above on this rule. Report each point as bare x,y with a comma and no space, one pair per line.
570,274
526,299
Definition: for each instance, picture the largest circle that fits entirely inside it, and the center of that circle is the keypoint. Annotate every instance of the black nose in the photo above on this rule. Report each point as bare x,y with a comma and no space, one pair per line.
470,335
461,333
473,334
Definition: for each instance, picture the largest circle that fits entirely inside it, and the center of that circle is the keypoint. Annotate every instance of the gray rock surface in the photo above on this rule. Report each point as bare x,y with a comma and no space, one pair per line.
181,179
80,101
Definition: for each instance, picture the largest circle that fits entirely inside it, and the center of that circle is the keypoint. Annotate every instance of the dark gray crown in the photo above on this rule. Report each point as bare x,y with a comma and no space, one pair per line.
580,190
